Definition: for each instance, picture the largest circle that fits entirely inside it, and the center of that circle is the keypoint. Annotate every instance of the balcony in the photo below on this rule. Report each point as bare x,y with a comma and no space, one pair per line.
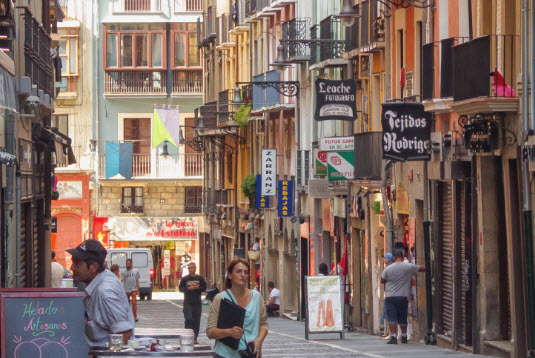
296,29
37,60
134,82
208,26
140,6
369,155
187,82
226,112
487,64
224,25
184,165
188,5
432,63
328,29
209,114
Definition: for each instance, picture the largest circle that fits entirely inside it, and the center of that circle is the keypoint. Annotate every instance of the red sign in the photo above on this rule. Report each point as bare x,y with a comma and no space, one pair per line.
100,231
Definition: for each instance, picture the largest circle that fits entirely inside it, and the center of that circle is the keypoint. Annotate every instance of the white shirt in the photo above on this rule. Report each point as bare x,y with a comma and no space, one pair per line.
57,274
256,247
275,293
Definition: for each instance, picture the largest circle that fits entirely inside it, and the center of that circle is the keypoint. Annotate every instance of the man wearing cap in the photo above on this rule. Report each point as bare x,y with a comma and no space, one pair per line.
397,278
106,305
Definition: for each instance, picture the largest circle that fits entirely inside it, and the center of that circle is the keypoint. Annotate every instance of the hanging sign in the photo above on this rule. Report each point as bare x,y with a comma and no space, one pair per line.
336,100
269,172
155,228
406,131
320,163
341,165
337,143
285,198
261,201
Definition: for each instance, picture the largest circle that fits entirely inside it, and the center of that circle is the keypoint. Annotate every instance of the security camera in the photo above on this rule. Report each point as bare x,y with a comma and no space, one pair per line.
33,101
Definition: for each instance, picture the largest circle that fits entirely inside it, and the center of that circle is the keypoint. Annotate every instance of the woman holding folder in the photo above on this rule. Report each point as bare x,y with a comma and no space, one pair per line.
237,320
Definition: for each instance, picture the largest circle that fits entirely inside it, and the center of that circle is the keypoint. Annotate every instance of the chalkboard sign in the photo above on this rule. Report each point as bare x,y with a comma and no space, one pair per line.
42,324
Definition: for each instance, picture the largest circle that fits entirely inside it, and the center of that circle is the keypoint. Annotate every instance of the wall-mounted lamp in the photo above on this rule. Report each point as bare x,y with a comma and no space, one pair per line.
347,15
165,151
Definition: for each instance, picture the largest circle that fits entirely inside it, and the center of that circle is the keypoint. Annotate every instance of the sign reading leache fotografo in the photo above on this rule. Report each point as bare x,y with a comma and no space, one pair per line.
406,131
154,228
336,100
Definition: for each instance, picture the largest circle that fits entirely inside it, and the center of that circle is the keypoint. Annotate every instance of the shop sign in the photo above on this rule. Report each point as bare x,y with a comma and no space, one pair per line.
320,163
341,165
262,201
155,228
269,172
406,131
325,304
70,189
337,144
336,100
402,200
285,198
318,188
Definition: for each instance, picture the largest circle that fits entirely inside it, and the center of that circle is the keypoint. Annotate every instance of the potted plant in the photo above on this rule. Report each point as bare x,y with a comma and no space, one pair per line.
248,188
379,27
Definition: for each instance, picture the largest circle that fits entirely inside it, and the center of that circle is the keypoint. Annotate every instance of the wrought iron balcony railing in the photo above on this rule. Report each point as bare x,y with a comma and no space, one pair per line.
188,5
37,60
135,82
296,29
487,64
187,81
141,5
326,43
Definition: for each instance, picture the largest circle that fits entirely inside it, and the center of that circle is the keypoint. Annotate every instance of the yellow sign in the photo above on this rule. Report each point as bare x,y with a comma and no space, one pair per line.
170,245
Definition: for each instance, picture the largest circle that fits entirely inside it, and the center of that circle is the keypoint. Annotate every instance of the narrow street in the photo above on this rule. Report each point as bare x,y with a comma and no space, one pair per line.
286,338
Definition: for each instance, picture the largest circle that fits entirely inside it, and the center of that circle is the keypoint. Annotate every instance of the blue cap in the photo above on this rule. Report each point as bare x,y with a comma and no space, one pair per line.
389,256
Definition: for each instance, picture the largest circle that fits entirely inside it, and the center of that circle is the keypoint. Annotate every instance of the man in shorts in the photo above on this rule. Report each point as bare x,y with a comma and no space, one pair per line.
397,278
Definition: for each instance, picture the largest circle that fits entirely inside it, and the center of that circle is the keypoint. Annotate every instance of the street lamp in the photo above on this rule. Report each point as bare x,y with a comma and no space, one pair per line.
347,15
279,64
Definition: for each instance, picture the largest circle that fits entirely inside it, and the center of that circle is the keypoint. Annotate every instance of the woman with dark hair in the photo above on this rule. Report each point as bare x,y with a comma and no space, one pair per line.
323,269
255,327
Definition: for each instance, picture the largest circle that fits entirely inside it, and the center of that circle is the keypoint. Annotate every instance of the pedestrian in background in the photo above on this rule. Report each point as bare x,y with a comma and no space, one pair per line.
57,272
106,306
116,270
323,269
397,278
130,278
192,285
255,326
273,302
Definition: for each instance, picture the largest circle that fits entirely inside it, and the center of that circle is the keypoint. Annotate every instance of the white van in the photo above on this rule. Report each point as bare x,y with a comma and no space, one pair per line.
141,261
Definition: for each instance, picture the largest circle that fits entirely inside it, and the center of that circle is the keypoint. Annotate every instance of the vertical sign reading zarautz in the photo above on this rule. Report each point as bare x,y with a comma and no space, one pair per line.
269,172
285,198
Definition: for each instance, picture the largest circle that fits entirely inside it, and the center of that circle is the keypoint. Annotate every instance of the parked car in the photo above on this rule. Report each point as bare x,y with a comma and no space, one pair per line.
142,261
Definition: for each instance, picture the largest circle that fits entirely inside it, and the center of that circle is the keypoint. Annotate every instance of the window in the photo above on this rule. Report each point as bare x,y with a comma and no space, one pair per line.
140,259
61,122
118,258
185,50
132,200
68,53
134,46
193,199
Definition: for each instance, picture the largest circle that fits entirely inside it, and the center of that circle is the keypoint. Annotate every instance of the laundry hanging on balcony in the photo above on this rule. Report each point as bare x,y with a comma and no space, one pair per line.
166,126
501,88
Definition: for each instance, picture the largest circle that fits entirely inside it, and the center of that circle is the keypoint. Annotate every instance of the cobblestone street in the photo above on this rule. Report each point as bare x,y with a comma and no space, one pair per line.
286,338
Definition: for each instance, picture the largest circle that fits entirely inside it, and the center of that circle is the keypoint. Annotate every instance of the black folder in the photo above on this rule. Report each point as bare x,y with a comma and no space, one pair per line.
230,315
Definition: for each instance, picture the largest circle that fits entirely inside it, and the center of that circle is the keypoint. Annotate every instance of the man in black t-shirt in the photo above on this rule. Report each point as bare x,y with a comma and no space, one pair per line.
192,286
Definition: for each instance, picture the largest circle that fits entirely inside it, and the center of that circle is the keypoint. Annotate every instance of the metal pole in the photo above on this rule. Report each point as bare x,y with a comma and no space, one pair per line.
17,229
430,335
527,214
388,217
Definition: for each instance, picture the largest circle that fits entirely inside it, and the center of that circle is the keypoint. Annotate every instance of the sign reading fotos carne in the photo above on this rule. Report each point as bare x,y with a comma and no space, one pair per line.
406,131
336,100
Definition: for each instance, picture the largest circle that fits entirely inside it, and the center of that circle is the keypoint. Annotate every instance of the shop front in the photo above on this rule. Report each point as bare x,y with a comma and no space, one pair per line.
174,242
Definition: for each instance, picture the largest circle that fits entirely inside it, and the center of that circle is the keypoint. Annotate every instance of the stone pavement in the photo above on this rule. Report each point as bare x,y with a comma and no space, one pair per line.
286,338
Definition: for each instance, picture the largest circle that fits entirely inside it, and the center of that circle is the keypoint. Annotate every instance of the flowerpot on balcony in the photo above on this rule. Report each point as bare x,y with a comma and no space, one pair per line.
248,187
379,28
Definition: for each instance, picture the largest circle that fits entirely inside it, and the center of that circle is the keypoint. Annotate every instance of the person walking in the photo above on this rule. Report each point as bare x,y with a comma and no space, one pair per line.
273,302
130,278
192,285
397,278
106,306
57,271
323,269
255,326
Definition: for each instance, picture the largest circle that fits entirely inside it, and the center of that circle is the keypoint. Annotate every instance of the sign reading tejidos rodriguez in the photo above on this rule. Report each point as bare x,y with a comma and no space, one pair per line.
336,100
285,198
269,172
406,131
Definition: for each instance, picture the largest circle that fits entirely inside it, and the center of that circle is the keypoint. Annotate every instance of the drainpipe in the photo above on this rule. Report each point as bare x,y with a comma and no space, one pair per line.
17,229
430,337
10,200
96,97
526,211
387,165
